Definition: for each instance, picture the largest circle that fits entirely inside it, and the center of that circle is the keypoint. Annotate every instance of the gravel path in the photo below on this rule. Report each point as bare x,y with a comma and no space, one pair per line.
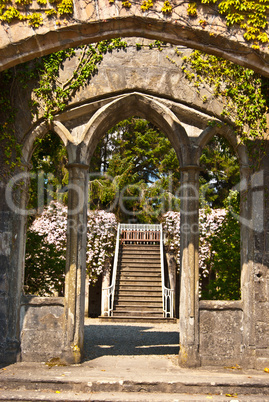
129,339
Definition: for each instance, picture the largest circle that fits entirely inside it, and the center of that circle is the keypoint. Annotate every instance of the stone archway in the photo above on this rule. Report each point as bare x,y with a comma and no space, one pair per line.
100,20
188,147
80,150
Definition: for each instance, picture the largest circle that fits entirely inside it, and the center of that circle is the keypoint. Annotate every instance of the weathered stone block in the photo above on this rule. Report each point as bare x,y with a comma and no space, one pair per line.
42,334
262,334
220,335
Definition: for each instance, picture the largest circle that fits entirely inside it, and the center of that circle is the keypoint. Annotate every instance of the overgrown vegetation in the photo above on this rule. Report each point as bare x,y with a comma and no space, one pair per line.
251,16
243,93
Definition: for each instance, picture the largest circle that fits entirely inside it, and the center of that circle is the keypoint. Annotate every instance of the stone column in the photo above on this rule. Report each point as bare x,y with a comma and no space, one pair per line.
13,200
76,262
189,275
258,271
247,270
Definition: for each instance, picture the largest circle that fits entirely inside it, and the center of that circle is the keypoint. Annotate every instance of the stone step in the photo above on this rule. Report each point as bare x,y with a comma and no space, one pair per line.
139,282
136,250
140,261
140,255
72,396
139,252
138,307
135,288
144,319
156,267
158,381
149,295
136,268
140,258
138,275
135,313
141,303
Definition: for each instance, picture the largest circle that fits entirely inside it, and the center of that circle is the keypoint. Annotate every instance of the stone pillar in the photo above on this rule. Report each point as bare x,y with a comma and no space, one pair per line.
13,199
76,262
259,275
189,271
247,283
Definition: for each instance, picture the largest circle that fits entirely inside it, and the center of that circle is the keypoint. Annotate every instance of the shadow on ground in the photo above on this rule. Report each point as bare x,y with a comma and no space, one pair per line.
125,340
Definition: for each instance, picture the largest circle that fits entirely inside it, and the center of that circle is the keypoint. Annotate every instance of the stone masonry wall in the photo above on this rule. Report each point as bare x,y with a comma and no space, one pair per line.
220,332
42,333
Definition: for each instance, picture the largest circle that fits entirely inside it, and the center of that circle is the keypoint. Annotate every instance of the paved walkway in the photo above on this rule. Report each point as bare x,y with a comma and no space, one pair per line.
130,362
128,339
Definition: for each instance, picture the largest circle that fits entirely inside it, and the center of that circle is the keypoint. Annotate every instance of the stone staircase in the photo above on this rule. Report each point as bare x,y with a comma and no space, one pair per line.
138,291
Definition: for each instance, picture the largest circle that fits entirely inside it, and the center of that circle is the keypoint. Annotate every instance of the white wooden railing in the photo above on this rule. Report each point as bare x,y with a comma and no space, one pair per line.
168,294
137,233
109,293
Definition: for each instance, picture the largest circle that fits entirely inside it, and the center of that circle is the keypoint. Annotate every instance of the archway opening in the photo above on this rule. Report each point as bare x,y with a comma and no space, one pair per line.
45,257
219,249
134,173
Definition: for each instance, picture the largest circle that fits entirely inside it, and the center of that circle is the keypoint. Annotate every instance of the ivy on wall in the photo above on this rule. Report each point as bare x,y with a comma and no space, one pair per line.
20,10
50,96
10,151
243,93
251,16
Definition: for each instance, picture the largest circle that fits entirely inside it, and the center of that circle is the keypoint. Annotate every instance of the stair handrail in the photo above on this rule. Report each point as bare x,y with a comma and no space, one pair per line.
140,226
168,294
110,291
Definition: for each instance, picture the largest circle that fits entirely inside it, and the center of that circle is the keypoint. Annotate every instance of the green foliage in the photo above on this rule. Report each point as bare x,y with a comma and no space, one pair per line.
146,5
53,97
10,148
50,96
242,92
249,15
192,9
223,281
167,8
220,172
49,160
10,13
44,267
126,3
35,19
136,159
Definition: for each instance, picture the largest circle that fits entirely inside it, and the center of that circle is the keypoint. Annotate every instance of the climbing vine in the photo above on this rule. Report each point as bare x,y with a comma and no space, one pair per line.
251,16
20,10
51,95
10,148
243,92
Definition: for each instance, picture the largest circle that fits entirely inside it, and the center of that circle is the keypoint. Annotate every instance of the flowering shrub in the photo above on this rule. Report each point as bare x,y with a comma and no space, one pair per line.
45,252
219,251
53,224
47,238
171,229
101,240
209,223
